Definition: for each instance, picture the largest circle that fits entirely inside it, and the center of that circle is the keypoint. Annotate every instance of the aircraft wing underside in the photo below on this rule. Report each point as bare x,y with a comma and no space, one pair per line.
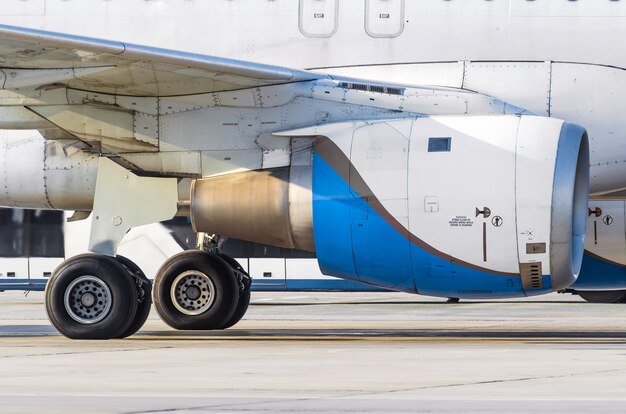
110,94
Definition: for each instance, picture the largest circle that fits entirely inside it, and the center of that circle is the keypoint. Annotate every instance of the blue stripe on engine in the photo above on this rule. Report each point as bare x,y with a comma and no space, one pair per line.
353,241
597,274
331,221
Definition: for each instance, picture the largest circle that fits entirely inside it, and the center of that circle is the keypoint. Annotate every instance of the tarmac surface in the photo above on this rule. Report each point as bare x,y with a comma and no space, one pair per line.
328,352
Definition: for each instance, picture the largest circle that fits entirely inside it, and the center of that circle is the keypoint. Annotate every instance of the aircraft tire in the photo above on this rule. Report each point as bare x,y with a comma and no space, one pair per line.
603,296
144,296
240,310
244,295
90,296
196,290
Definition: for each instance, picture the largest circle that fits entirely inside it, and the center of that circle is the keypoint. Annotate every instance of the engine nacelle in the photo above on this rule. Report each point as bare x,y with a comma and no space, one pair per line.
604,264
45,174
466,206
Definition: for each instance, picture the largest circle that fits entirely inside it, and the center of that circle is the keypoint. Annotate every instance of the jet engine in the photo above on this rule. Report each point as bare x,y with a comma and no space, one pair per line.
464,206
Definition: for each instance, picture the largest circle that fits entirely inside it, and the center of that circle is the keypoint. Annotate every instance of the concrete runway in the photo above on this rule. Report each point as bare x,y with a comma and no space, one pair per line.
333,352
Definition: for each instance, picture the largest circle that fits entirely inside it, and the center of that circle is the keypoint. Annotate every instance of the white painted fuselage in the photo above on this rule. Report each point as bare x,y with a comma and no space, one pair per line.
555,58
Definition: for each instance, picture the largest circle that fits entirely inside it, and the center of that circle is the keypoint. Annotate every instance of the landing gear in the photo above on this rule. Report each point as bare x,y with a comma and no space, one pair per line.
92,296
198,290
144,296
245,283
599,296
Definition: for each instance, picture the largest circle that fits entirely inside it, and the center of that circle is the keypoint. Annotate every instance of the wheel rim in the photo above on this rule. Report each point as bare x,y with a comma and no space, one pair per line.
192,292
88,300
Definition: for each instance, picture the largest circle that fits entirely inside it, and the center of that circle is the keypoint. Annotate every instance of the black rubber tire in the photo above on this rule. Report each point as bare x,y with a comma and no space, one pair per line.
218,271
114,275
603,296
244,297
240,310
143,303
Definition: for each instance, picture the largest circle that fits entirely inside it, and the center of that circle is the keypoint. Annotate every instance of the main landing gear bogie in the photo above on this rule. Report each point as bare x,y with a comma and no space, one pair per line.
92,296
199,290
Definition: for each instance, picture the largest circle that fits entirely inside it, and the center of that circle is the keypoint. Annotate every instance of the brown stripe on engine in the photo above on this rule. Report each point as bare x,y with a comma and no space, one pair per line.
341,164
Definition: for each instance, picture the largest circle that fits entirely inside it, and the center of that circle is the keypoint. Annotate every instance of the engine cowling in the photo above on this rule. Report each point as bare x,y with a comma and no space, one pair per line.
604,263
466,206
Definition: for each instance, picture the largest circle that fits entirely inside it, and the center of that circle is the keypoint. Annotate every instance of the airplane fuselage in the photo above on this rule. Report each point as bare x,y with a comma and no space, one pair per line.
438,147
561,59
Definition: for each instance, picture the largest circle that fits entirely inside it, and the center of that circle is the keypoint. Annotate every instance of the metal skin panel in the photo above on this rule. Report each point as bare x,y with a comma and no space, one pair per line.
332,198
604,263
606,232
37,173
230,161
70,176
18,117
589,95
593,96
577,9
124,200
482,159
110,127
24,187
433,74
534,183
380,155
180,164
525,84
276,38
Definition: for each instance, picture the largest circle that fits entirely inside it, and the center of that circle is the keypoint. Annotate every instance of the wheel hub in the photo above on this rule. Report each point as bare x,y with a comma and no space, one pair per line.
192,292
88,299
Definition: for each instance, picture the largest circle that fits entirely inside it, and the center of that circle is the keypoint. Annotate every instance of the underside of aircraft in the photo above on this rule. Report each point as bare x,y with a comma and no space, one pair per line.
435,190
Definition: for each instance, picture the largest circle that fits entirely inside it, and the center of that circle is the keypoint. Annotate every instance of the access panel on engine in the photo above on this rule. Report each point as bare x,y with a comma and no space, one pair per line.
461,191
379,205
606,230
